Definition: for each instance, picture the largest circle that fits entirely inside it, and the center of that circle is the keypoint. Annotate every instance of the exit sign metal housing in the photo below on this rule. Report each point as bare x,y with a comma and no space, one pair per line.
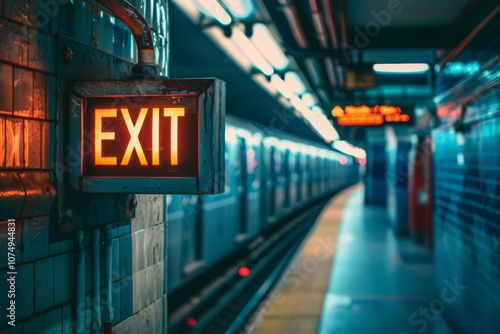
148,136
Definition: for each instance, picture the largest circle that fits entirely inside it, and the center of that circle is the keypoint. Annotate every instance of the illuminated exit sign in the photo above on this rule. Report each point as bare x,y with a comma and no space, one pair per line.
149,136
365,115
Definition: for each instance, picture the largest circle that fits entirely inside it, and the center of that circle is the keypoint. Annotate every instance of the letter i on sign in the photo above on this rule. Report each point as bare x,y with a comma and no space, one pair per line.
174,113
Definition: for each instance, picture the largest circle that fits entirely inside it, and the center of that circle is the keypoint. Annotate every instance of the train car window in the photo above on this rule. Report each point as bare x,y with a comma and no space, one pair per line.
227,176
272,169
243,184
252,167
277,162
273,177
286,164
236,163
298,164
312,166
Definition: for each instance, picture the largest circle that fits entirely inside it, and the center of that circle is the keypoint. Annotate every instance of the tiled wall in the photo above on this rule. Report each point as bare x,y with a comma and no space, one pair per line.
141,263
466,173
467,218
29,125
46,279
25,123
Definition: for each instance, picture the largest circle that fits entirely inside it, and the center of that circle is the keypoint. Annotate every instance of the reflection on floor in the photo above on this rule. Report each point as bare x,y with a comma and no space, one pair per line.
378,283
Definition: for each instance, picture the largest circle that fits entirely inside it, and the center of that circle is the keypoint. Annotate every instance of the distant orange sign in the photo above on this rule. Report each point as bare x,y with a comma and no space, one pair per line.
368,119
365,115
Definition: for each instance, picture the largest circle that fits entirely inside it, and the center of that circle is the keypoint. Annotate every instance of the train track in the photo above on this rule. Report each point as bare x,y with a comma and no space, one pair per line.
225,302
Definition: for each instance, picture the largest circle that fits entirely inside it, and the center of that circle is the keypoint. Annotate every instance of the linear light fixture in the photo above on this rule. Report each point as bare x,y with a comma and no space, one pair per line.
265,84
294,82
409,68
309,99
268,46
299,105
324,128
317,110
213,9
241,9
245,53
252,53
282,87
346,148
316,119
189,8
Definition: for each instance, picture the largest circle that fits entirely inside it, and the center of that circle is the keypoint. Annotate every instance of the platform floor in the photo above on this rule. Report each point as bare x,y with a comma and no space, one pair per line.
353,275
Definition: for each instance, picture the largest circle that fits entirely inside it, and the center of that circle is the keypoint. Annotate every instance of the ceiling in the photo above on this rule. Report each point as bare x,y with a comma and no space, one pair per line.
418,13
330,42
192,54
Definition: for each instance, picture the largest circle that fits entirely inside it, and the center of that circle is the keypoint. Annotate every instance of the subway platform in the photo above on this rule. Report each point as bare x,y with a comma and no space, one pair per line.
353,274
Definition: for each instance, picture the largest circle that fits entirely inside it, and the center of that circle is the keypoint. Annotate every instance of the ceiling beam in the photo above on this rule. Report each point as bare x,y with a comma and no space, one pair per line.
402,38
343,21
413,38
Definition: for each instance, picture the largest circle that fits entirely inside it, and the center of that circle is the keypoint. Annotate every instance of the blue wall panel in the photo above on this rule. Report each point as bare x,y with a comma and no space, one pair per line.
467,220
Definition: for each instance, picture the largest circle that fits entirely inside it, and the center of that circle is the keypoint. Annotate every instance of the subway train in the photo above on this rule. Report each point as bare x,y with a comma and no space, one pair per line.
269,175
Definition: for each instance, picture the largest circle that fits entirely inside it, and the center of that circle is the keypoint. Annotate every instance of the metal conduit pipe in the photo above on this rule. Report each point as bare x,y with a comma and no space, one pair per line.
290,12
331,23
96,286
460,47
142,34
80,283
108,312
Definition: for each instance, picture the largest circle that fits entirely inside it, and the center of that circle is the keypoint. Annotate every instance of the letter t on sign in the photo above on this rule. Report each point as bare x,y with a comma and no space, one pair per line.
174,125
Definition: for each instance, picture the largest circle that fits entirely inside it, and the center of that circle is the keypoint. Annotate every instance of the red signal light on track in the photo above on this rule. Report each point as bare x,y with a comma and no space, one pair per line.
343,160
191,321
244,271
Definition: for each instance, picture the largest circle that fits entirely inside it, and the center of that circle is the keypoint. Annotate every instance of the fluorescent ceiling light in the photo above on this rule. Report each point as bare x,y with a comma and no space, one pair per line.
309,99
282,87
323,127
241,9
213,9
285,102
268,46
401,68
189,8
245,54
348,149
299,105
316,119
294,82
249,49
317,110
264,83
